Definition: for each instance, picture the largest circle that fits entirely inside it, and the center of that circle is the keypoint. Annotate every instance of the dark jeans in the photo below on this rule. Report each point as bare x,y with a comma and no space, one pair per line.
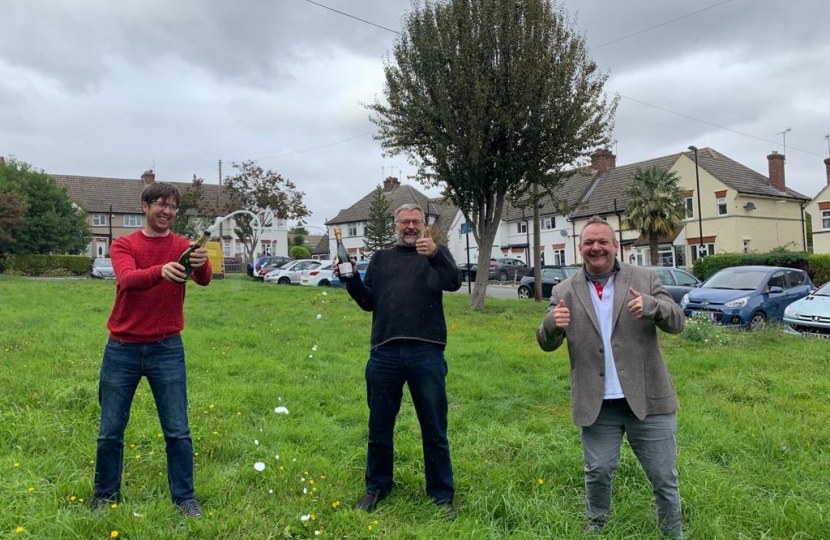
124,364
422,366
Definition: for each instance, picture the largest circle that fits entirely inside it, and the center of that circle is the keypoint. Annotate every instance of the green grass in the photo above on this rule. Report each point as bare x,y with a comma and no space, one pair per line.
753,430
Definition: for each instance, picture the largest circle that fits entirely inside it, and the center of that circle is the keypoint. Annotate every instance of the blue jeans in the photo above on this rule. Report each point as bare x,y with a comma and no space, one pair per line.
422,366
124,364
653,441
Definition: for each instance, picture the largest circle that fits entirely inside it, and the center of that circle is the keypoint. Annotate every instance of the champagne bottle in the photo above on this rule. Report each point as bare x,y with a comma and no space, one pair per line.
344,263
184,260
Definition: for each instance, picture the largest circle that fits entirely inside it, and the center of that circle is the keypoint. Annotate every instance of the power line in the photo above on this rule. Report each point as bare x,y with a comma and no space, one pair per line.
776,143
643,31
352,17
312,149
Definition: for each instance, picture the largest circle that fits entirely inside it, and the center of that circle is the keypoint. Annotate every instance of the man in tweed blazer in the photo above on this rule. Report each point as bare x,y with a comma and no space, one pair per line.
620,383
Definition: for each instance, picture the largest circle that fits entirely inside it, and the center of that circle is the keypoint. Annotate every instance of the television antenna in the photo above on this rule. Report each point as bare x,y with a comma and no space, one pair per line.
784,135
827,138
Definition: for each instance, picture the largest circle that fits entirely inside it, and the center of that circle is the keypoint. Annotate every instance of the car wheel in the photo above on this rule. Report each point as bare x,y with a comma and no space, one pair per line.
284,281
757,321
524,293
502,276
323,283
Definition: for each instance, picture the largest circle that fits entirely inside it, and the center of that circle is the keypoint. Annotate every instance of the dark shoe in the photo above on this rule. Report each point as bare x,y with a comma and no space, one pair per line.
190,508
448,511
594,526
368,502
98,504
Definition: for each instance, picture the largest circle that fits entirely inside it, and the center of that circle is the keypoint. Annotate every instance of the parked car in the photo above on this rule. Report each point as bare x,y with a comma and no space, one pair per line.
551,276
291,273
747,296
504,269
810,316
676,281
102,268
361,269
469,271
255,268
318,277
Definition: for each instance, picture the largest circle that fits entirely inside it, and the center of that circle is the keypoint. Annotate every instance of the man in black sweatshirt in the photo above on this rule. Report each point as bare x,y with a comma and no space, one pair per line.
403,289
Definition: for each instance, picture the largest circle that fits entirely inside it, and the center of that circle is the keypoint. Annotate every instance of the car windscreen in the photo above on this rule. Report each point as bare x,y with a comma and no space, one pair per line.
824,290
746,280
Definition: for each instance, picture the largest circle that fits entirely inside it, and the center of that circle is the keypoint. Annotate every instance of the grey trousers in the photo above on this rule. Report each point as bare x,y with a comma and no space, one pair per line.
653,441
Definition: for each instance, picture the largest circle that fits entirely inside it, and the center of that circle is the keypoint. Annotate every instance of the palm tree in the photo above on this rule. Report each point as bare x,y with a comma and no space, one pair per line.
655,205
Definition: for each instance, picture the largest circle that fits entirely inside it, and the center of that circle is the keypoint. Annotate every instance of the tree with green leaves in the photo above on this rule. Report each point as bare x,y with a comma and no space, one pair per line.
263,192
379,232
656,206
52,222
488,98
193,212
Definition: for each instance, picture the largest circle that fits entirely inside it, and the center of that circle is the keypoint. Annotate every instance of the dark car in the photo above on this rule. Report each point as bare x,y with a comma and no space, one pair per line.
468,271
506,268
747,296
676,281
102,268
551,276
255,269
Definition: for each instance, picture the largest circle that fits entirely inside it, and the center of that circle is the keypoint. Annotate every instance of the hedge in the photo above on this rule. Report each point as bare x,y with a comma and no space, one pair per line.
817,266
46,265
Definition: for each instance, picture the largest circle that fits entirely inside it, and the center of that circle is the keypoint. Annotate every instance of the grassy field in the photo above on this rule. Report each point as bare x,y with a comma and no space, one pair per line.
753,436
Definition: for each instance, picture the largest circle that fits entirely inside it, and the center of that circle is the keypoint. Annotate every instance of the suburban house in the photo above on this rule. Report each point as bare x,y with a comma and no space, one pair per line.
439,214
740,210
819,211
113,207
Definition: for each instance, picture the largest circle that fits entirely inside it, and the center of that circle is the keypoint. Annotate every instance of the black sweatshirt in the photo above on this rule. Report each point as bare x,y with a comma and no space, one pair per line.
403,290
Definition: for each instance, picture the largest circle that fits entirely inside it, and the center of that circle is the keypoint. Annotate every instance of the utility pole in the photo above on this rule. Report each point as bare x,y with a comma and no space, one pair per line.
218,202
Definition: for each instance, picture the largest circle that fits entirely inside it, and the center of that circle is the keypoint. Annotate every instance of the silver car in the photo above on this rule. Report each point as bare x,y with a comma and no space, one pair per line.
810,316
291,273
102,269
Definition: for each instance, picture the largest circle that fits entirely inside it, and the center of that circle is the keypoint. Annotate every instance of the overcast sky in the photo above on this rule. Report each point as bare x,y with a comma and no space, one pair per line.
102,88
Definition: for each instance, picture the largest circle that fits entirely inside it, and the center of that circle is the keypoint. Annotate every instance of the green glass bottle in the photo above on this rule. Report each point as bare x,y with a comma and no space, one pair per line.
184,260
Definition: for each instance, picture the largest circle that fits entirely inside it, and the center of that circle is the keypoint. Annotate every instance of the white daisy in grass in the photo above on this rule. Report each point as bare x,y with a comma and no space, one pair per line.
281,410
325,293
256,442
311,356
259,466
319,316
305,517
314,348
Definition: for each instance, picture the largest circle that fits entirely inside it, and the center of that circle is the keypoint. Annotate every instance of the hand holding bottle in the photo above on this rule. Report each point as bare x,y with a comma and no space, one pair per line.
179,271
343,265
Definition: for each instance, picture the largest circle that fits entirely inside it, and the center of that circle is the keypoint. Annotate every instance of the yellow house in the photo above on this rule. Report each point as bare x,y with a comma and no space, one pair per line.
729,207
819,210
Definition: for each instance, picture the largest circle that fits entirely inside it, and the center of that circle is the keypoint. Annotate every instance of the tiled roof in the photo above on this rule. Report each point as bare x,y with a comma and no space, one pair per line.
609,186
96,194
568,195
443,210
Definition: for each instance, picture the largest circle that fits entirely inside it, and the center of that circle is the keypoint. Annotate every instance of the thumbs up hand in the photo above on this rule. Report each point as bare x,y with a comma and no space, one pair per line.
561,315
426,245
635,305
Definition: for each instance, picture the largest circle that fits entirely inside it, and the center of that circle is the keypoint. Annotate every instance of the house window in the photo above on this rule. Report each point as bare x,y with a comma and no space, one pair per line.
521,227
746,246
690,208
825,219
353,229
680,256
721,206
559,257
133,221
548,223
697,252
99,220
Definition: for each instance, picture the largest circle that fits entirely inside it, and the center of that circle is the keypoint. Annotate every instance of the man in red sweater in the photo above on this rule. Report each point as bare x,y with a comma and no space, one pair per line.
145,341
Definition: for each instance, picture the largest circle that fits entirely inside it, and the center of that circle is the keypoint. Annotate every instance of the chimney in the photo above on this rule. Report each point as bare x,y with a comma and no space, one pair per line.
148,177
602,160
390,184
3,160
776,171
826,166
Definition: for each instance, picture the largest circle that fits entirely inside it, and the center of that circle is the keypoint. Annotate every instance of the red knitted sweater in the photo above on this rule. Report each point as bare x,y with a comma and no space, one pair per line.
147,307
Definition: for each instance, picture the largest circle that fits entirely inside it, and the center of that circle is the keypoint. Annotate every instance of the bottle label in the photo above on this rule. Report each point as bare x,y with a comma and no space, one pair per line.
345,269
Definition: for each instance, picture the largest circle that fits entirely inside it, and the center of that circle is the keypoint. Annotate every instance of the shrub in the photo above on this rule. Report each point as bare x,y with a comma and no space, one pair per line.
819,268
299,252
702,330
705,267
47,265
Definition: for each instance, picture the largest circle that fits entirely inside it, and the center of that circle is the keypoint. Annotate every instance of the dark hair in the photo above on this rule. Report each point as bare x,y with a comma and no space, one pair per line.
161,190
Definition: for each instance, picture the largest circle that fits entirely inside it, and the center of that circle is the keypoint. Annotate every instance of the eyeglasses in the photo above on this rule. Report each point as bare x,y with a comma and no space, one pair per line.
408,222
166,206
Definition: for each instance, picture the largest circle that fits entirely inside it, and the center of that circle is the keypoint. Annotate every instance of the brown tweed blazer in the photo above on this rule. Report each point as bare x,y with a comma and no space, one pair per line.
642,371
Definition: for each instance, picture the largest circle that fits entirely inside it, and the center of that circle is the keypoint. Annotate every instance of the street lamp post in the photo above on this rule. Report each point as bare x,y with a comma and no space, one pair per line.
699,210
109,220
